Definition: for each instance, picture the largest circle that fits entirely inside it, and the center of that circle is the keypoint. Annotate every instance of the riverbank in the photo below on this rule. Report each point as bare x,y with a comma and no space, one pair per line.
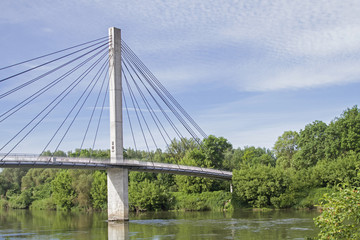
218,201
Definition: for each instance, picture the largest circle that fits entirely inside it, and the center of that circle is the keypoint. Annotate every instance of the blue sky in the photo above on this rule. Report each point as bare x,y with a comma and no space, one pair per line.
244,70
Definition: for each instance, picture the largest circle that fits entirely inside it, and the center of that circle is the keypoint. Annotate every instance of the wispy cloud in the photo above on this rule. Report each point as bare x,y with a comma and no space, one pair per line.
303,76
313,38
262,49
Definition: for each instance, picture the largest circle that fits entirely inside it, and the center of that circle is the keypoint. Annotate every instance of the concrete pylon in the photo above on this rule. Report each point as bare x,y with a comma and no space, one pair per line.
117,179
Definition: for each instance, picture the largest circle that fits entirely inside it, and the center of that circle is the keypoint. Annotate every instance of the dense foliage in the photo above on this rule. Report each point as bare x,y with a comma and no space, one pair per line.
300,168
341,216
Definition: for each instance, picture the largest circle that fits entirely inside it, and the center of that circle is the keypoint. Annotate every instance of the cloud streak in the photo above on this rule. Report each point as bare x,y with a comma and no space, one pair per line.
217,50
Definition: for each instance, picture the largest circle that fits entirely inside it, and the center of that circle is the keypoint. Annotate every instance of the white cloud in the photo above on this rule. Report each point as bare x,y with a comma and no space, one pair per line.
302,32
315,44
303,76
48,30
254,46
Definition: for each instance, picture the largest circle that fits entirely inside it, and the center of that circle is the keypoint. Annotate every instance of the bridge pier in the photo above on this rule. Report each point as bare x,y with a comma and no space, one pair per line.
118,203
117,179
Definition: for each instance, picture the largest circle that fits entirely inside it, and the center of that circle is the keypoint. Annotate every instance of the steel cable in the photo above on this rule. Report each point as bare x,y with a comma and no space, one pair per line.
178,133
177,115
82,105
133,102
72,109
72,86
45,88
46,63
140,63
145,102
45,74
49,54
93,111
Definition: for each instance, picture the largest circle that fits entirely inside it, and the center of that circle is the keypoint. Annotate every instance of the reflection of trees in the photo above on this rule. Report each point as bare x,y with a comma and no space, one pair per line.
43,223
242,224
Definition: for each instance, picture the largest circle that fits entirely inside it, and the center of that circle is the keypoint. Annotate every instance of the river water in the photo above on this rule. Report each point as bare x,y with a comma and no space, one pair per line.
245,224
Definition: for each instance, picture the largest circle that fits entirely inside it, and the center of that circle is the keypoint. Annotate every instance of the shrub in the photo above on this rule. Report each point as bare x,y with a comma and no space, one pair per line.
341,216
216,201
44,204
20,201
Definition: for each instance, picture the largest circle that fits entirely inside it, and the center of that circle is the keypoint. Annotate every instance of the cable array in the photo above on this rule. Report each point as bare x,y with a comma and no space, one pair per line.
74,71
65,94
166,116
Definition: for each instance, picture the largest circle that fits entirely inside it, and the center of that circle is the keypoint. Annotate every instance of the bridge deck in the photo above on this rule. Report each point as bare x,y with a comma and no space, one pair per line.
34,161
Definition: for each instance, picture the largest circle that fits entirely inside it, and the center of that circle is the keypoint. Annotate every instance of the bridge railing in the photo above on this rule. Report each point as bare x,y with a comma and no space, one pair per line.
33,160
36,158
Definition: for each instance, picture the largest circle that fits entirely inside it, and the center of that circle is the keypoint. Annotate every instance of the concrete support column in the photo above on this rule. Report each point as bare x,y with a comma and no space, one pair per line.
118,203
117,179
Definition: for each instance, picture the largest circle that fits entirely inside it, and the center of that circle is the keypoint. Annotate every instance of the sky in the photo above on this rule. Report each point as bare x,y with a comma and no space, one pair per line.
244,70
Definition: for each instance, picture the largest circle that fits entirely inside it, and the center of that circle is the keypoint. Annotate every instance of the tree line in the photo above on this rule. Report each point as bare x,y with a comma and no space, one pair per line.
300,168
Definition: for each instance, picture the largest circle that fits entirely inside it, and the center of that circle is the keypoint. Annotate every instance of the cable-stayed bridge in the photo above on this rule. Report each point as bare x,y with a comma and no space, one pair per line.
59,100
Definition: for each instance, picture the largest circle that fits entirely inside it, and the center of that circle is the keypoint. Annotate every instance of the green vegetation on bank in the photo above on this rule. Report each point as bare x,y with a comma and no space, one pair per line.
297,172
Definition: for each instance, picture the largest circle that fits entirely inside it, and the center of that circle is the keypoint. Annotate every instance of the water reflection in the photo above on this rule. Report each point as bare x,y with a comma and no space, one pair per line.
118,230
246,224
25,224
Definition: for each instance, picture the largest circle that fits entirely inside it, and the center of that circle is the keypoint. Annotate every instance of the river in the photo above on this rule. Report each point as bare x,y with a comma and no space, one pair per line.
244,224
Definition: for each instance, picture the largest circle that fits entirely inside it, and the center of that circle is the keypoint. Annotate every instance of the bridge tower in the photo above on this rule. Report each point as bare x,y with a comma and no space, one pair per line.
117,179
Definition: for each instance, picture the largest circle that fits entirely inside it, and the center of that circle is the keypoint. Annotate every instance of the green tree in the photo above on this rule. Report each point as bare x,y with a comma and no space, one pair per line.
343,134
178,148
187,184
233,159
343,170
130,153
81,183
254,156
37,176
340,218
260,186
167,180
58,153
63,192
20,201
99,190
311,143
214,149
5,185
38,181
285,147
89,153
147,195
10,179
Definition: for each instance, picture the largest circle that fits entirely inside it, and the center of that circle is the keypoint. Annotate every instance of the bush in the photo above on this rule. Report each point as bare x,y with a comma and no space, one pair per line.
216,201
4,203
343,170
44,204
261,186
99,190
20,201
148,196
341,216
314,197
190,202
62,190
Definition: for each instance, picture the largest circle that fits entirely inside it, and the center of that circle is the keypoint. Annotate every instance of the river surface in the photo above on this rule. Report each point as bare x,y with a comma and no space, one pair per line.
245,224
